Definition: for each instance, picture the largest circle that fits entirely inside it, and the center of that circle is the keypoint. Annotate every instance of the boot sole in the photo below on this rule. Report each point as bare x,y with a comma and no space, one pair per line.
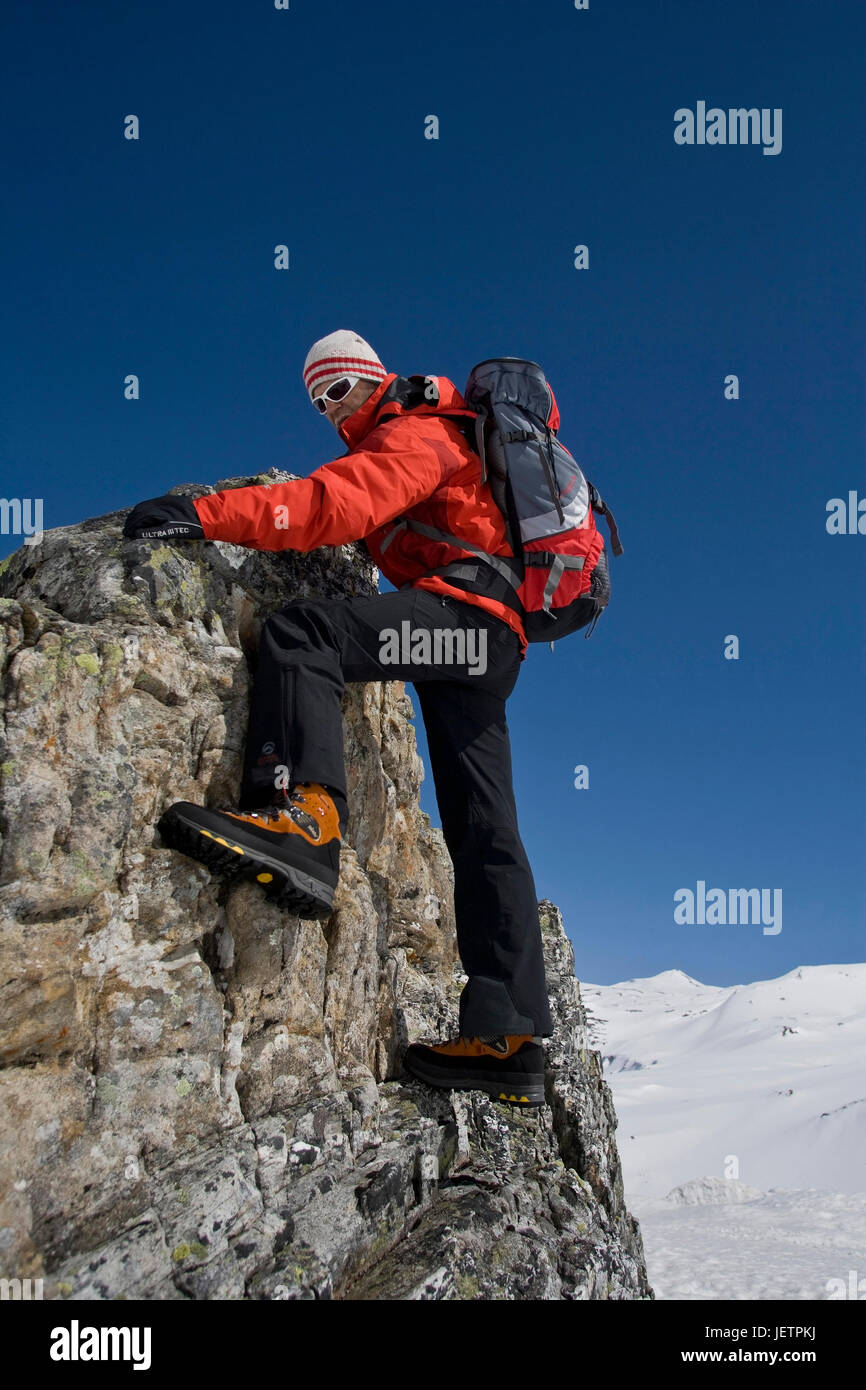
284,884
514,1089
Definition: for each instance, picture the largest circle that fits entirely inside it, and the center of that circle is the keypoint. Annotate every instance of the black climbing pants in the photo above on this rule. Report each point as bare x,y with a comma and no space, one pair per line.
463,677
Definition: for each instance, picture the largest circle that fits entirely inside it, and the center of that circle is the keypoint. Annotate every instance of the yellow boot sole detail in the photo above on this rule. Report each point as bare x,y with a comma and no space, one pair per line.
220,841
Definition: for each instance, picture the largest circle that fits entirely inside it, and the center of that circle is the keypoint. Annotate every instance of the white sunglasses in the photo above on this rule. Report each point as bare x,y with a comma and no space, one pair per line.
337,391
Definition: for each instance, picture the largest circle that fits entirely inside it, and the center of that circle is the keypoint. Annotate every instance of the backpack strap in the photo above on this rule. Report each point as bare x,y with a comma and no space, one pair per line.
599,505
505,567
475,577
509,570
502,585
558,563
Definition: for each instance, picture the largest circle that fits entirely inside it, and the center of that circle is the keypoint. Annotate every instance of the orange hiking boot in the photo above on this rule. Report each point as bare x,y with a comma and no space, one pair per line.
509,1067
292,847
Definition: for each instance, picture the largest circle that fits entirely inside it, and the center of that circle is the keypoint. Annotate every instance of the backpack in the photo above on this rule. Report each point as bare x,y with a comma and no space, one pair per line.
546,502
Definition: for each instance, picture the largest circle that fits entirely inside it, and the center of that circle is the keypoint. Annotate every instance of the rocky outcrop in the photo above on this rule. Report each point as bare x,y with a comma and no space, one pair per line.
201,1095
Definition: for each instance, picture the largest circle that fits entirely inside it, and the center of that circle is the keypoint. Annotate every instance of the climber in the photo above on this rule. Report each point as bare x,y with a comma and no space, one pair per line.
406,455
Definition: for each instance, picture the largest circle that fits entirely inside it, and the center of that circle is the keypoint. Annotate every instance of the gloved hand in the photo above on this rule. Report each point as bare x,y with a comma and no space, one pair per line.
164,518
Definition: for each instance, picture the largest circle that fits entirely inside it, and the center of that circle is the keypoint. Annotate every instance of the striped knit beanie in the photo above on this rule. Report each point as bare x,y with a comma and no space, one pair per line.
342,353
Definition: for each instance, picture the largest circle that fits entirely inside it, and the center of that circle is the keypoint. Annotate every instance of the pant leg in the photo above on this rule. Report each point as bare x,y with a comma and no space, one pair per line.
495,902
295,717
310,649
307,653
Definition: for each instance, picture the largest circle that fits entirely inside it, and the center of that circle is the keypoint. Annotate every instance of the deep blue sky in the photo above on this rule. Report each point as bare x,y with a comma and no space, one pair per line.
556,128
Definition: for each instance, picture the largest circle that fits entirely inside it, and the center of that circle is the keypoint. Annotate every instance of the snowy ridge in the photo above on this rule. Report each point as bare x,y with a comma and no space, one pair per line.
712,1192
762,1082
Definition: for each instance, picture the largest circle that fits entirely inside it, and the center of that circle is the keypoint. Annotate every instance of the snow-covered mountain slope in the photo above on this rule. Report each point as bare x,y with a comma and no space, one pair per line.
784,1244
763,1082
742,1129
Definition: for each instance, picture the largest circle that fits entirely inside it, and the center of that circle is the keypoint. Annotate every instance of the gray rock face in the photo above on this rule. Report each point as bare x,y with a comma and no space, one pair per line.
201,1095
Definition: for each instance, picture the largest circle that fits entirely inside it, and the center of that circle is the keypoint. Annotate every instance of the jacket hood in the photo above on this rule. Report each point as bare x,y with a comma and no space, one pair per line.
399,395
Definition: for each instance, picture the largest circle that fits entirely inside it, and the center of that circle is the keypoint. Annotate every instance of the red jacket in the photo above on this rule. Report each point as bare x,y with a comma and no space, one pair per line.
419,465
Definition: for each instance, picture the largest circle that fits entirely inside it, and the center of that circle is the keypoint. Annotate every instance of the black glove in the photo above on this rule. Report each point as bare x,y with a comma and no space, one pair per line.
164,518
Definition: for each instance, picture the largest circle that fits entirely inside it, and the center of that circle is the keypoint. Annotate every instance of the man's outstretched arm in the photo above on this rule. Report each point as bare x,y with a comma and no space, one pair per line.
340,502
